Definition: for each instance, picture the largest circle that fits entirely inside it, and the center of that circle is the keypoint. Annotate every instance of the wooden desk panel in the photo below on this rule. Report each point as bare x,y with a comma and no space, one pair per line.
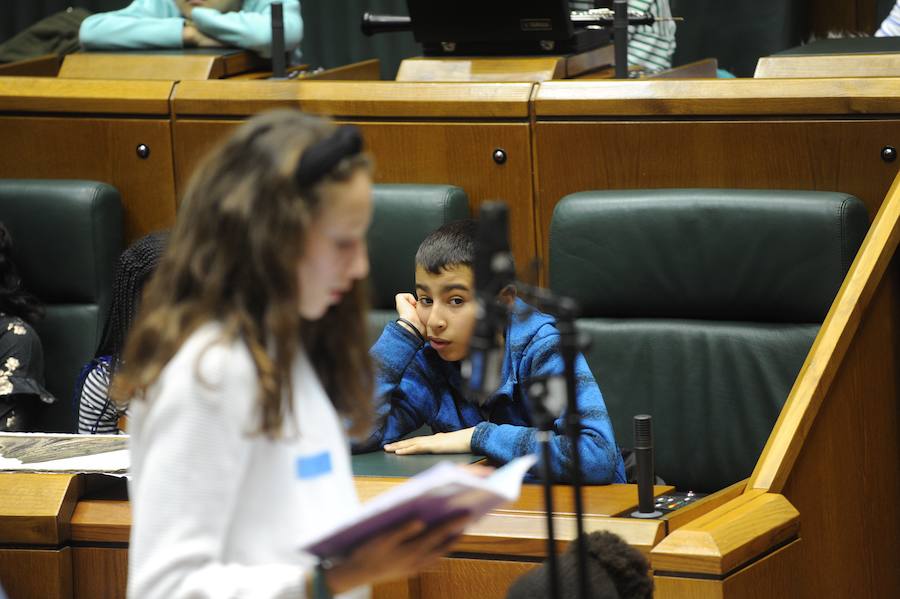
162,66
101,149
49,94
36,508
839,155
356,99
773,576
476,578
36,573
99,572
708,98
419,152
508,542
788,66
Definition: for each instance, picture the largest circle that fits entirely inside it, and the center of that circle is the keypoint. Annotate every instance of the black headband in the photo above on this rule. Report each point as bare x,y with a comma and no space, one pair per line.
321,157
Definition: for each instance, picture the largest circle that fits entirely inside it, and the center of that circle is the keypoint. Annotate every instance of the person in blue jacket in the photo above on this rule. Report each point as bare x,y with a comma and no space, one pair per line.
192,23
418,376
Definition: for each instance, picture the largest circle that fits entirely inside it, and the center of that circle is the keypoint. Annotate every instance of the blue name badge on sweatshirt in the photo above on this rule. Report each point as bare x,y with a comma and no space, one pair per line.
313,465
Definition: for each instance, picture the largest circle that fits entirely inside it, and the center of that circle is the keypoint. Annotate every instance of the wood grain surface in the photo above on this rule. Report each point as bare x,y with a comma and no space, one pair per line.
99,149
49,94
712,97
35,508
355,98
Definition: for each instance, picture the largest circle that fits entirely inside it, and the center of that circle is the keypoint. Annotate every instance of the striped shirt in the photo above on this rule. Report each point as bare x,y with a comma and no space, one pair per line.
97,414
890,27
652,46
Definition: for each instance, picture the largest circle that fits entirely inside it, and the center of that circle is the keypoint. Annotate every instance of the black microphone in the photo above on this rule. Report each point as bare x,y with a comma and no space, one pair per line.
372,24
643,453
493,269
278,66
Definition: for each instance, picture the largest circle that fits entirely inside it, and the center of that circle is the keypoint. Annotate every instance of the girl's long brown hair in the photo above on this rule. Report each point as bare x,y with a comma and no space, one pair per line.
232,258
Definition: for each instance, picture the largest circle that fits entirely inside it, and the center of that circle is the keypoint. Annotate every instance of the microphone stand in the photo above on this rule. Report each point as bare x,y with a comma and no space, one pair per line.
538,392
493,270
565,310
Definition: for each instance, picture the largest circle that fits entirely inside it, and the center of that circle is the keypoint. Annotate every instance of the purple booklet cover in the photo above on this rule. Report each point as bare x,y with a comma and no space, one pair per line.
434,496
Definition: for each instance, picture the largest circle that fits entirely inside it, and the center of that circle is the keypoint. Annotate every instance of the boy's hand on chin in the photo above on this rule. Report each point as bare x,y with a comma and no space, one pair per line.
455,442
406,309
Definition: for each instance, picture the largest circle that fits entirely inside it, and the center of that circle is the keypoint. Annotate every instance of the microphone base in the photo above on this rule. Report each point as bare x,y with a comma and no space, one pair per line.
653,514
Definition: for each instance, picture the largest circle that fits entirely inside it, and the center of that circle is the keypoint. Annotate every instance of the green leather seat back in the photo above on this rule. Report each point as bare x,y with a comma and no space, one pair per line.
403,216
67,236
702,306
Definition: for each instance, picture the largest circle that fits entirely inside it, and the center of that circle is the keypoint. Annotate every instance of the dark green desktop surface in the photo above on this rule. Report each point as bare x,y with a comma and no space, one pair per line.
382,463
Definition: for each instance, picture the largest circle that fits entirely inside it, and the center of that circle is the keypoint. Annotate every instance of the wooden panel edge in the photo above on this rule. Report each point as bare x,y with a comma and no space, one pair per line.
35,508
729,536
792,66
49,94
355,98
673,97
830,346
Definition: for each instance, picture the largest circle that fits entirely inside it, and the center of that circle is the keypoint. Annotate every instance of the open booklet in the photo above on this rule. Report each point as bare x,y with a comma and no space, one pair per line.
434,496
62,452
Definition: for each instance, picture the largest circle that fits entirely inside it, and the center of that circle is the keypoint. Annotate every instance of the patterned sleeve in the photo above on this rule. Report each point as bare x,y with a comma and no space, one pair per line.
97,414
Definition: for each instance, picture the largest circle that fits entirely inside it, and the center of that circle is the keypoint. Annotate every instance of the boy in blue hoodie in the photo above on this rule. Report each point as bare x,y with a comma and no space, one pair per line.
418,376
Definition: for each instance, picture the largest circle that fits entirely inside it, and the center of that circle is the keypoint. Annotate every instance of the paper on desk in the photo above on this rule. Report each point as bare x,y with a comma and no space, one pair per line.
434,496
75,454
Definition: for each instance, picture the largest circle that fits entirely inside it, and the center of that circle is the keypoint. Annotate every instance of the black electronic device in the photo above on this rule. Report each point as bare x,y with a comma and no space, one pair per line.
675,501
492,27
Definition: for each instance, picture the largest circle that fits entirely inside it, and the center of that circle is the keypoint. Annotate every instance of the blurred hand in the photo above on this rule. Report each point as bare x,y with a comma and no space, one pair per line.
396,554
406,308
191,37
455,442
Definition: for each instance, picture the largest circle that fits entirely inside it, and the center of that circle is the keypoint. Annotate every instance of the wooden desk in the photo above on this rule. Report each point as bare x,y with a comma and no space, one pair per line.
161,65
824,134
83,543
80,129
444,133
506,68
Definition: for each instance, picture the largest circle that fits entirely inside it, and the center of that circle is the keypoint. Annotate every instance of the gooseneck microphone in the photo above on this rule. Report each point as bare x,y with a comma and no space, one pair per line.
643,453
494,271
279,70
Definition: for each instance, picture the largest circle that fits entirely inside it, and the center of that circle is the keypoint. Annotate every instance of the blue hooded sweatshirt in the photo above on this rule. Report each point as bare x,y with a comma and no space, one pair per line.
416,386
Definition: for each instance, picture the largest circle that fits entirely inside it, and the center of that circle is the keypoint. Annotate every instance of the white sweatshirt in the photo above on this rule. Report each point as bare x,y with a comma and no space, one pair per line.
218,513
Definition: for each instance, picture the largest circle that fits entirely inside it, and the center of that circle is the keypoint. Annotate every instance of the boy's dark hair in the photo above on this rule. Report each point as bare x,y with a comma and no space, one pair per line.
14,300
615,571
452,244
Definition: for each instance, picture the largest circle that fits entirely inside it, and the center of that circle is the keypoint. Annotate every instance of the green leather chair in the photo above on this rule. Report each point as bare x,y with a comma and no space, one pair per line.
403,216
702,305
67,236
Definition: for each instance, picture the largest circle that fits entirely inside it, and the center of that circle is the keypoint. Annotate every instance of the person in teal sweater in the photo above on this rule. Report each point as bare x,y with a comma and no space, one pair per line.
192,23
418,377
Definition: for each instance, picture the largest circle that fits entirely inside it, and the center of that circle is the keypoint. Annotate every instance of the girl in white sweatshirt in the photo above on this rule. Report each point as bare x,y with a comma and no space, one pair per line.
246,364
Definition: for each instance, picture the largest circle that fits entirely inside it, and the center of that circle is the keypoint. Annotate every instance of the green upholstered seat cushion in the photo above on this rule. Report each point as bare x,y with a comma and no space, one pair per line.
714,389
67,236
403,216
702,306
756,255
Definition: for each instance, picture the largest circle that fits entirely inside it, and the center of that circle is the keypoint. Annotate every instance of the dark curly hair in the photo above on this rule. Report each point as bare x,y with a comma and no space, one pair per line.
14,300
136,264
615,571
